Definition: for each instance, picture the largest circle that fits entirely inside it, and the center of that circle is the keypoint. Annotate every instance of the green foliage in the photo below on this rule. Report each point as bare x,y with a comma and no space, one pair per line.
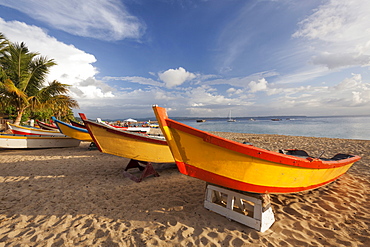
25,117
43,114
10,111
22,79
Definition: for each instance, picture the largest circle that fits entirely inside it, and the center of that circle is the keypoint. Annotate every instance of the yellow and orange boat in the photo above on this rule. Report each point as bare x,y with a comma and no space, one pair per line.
245,167
128,144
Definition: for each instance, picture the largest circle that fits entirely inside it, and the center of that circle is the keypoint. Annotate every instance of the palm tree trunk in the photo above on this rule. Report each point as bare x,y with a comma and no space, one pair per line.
19,117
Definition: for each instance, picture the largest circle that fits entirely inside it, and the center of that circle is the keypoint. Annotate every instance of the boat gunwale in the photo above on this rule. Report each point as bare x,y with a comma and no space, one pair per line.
46,125
125,133
75,124
312,163
68,125
56,131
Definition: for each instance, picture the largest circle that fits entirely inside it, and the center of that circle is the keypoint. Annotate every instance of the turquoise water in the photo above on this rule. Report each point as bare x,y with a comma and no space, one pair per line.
357,127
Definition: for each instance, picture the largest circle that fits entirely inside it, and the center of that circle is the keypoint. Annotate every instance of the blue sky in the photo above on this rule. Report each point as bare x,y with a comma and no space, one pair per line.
202,57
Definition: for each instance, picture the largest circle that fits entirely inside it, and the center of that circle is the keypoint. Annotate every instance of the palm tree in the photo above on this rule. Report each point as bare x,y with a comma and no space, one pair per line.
3,43
54,98
22,78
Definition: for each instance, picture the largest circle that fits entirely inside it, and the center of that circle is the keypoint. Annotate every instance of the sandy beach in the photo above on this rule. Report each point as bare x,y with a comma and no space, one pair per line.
79,197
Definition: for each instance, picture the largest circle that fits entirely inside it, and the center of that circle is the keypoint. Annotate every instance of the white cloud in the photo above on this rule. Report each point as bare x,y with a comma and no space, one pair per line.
355,82
261,85
346,95
337,21
338,32
74,66
91,92
357,99
233,91
354,91
205,95
268,91
240,81
175,77
336,60
106,20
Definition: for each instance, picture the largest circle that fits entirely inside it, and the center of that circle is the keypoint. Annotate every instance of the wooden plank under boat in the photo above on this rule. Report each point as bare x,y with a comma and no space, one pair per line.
128,144
23,130
13,141
72,131
46,126
244,167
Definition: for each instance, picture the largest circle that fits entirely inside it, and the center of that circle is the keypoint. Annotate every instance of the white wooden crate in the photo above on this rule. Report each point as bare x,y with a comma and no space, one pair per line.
253,210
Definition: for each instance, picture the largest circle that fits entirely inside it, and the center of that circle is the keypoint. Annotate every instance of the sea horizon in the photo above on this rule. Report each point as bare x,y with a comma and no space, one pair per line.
343,127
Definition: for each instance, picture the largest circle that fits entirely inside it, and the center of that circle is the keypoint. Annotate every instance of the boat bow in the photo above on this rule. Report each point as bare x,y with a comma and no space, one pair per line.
245,167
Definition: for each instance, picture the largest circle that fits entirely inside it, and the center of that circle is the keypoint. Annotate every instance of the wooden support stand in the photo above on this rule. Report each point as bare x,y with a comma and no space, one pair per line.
253,210
146,169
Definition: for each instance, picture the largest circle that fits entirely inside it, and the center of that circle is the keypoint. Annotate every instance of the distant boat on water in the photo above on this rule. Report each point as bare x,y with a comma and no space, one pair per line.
200,120
230,119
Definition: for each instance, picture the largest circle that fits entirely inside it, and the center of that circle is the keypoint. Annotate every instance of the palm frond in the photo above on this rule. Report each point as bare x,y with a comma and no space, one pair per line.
54,88
4,43
38,70
11,89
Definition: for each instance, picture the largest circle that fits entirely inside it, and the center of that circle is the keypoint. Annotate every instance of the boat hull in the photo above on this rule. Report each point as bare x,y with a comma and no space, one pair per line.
244,167
128,144
32,141
73,123
72,131
46,126
22,130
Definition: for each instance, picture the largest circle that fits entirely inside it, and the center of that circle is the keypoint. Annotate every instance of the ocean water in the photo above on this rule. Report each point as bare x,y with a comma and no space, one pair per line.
346,127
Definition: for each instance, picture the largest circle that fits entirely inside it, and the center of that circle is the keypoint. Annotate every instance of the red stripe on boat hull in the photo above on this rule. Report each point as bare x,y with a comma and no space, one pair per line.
238,185
259,152
24,133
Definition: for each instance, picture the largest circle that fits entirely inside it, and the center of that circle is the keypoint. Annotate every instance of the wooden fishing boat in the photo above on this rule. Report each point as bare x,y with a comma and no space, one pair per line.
13,141
23,130
244,167
143,130
72,131
46,126
128,144
73,123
